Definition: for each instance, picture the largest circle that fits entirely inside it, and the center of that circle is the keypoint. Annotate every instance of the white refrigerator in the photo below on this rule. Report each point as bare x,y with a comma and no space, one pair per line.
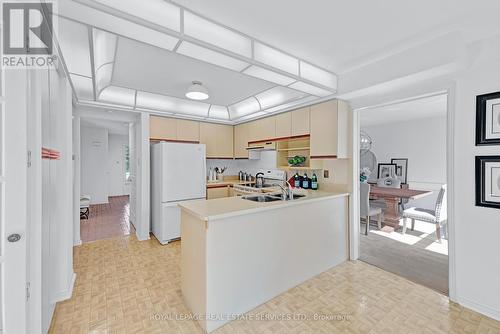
178,173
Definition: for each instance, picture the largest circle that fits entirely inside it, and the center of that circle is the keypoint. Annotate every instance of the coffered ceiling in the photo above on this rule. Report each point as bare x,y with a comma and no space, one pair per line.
257,57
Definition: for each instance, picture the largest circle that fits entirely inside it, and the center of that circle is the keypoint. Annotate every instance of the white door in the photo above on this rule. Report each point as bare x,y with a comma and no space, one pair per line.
184,171
13,200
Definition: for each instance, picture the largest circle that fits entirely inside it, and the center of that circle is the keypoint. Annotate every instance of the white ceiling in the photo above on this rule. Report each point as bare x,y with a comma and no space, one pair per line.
428,107
113,127
335,35
339,34
144,67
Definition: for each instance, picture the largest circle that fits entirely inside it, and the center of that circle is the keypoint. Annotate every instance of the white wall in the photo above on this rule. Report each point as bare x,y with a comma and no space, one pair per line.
116,165
94,155
142,222
477,229
57,194
423,142
76,180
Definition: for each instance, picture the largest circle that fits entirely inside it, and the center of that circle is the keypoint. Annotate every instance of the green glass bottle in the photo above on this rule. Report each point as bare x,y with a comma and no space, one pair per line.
314,182
306,182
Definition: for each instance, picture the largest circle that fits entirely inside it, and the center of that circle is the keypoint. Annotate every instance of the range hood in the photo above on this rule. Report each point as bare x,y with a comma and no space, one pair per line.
262,146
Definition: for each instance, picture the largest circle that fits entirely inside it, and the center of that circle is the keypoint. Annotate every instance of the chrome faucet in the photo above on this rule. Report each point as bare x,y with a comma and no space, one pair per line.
287,193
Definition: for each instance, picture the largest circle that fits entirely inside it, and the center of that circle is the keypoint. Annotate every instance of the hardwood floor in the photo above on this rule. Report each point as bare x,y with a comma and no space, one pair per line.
127,286
108,220
416,255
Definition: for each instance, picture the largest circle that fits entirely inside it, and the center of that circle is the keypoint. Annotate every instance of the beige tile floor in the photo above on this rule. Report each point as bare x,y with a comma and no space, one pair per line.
123,284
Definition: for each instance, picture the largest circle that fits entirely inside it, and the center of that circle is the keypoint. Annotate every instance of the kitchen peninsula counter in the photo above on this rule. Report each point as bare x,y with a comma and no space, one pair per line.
233,206
238,254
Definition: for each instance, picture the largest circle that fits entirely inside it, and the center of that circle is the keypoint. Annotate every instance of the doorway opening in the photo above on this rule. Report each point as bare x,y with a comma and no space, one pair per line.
403,191
105,179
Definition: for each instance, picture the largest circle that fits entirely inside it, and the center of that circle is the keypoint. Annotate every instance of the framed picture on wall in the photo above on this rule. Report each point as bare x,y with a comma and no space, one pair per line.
488,181
386,170
488,119
401,169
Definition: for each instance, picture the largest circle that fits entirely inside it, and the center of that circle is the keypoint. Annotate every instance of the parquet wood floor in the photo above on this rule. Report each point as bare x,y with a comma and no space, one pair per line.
127,286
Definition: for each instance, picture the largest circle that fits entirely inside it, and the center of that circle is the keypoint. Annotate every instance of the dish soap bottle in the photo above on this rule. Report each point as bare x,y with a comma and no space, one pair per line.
306,182
314,182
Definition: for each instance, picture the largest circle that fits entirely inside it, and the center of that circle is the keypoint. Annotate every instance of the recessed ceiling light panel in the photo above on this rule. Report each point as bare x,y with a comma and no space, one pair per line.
292,104
262,73
171,104
219,112
209,32
209,56
276,58
73,39
276,96
316,74
310,89
244,108
159,12
83,87
118,95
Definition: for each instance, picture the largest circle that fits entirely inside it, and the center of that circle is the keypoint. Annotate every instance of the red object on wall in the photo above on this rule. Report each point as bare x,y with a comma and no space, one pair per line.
50,154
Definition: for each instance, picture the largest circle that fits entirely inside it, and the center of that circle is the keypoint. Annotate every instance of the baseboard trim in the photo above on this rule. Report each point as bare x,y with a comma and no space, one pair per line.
481,308
65,294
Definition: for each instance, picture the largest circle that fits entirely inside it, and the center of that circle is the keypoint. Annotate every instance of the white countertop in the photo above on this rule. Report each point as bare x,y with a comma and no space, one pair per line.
233,206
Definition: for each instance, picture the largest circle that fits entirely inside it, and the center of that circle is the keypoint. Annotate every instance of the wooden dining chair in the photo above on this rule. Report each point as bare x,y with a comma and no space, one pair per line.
365,209
438,216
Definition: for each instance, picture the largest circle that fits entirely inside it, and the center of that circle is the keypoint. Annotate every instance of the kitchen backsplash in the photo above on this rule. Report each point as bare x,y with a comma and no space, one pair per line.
267,161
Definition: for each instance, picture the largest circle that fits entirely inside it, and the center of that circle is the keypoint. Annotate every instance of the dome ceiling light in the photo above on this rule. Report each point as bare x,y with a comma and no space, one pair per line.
197,91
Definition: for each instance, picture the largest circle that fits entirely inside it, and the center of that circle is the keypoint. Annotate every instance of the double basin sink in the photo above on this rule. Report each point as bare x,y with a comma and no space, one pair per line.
270,198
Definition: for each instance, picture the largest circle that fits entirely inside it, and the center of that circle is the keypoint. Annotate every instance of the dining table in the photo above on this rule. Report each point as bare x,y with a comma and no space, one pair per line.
392,197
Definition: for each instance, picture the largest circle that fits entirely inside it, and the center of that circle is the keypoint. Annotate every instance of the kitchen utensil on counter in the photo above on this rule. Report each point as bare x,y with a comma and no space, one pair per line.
240,176
259,180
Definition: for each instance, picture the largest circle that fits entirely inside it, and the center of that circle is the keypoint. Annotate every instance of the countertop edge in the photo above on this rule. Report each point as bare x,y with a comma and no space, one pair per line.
263,208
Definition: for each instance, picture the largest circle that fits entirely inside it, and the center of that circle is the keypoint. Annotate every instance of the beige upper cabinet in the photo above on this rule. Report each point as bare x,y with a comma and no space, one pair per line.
218,139
224,141
300,122
329,130
262,129
283,125
162,128
188,130
241,140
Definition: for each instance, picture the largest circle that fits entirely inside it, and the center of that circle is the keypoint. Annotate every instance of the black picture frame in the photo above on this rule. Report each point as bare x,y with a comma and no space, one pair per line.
481,115
393,166
482,183
404,167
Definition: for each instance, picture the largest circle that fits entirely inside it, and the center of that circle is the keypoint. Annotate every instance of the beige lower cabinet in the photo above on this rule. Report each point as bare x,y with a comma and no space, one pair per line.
163,128
218,139
188,130
241,141
283,125
300,122
218,192
329,130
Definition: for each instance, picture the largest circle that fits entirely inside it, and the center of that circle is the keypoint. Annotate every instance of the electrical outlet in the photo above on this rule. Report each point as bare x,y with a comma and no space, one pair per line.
326,174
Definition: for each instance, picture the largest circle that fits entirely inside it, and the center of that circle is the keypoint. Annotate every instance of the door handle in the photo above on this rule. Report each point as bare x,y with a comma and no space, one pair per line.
14,237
